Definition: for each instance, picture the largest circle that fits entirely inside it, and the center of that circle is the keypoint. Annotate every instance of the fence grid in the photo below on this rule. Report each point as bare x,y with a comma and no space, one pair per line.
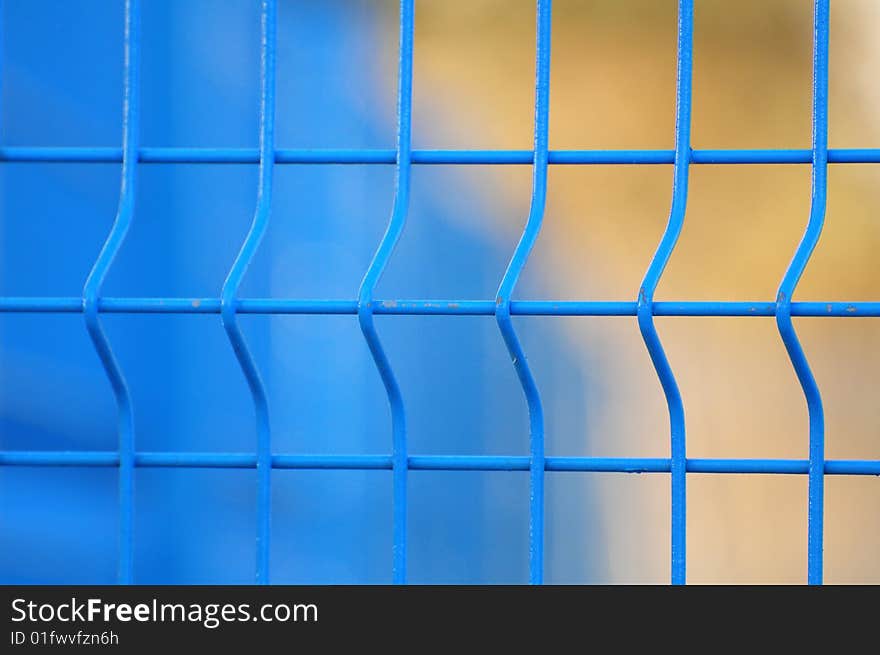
228,305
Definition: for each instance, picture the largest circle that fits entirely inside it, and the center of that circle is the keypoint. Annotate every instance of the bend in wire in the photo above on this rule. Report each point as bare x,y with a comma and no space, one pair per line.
228,304
789,283
644,310
508,283
95,281
371,278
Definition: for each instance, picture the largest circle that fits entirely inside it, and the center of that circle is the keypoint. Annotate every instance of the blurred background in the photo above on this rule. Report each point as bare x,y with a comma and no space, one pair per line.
612,86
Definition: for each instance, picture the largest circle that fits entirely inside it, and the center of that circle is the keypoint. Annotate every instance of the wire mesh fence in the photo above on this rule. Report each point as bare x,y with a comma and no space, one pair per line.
229,305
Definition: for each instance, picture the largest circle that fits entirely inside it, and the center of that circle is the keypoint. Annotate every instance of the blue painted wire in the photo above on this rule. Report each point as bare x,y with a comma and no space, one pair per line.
365,304
652,278
189,155
95,281
437,307
339,462
508,283
228,302
789,283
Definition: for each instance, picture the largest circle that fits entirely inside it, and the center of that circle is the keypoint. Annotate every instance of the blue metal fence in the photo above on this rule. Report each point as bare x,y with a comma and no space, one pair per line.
229,305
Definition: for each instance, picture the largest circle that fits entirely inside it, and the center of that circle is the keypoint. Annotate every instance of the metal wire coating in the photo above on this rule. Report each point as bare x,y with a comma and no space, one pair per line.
228,305
439,307
508,283
365,303
185,155
95,281
652,278
789,283
339,462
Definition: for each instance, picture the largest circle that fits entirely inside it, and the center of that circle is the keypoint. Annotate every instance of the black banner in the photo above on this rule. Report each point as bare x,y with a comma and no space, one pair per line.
129,618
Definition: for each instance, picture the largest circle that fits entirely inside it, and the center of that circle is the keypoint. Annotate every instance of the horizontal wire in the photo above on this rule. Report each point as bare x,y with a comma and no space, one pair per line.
161,305
228,460
190,155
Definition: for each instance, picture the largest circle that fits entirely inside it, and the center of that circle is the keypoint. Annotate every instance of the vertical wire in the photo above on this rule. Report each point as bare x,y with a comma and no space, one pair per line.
645,311
508,283
236,275
819,189
95,281
1,66
371,278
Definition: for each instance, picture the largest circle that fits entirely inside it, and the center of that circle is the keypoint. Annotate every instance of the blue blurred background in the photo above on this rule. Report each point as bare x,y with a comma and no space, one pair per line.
61,78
